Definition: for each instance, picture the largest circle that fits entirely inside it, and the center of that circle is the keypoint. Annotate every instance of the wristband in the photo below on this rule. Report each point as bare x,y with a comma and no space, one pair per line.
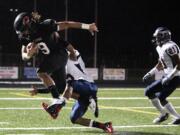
85,26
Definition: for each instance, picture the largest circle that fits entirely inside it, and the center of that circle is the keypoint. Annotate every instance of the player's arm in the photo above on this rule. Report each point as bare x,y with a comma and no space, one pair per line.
176,59
173,52
27,52
77,25
171,75
152,72
72,52
156,68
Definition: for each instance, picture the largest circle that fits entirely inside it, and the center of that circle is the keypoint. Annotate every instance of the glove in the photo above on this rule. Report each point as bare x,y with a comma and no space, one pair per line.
146,77
165,80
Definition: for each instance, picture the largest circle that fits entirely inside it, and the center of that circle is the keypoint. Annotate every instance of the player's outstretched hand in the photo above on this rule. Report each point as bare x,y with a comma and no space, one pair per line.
93,28
146,77
33,92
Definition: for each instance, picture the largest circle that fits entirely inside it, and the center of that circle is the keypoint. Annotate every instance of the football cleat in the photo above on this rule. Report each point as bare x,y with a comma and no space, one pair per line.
161,118
54,109
176,122
108,127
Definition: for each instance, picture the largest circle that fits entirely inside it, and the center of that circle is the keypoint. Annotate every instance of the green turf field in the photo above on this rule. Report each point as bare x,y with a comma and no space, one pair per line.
130,112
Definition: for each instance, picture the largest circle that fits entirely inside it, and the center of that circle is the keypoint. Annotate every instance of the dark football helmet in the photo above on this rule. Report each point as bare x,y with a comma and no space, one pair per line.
161,36
24,24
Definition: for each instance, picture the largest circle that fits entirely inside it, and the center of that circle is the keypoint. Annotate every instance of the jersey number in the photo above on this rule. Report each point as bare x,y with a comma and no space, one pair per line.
43,47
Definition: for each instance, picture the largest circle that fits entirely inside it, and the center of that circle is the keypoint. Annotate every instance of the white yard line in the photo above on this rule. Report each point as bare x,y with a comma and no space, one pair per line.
100,89
69,108
70,128
100,98
145,126
130,98
26,108
25,98
24,134
21,82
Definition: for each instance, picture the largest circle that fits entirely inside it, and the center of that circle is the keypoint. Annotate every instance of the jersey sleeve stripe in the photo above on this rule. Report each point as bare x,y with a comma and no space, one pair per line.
177,49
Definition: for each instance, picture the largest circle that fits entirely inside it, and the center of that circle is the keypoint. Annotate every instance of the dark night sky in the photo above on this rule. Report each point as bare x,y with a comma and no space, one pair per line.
125,27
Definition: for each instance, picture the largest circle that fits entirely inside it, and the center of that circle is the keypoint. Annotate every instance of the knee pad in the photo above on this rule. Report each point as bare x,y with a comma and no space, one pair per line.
163,101
149,94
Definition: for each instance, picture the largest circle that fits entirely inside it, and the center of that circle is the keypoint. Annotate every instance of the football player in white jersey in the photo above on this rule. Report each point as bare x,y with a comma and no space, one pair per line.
84,90
169,62
82,83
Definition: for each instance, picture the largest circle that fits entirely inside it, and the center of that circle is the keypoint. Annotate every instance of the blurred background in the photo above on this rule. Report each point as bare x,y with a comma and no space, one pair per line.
123,41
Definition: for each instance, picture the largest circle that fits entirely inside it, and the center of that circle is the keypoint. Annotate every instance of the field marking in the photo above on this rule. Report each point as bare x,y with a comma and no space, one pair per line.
130,98
145,126
100,89
26,95
100,107
99,98
24,134
25,99
80,127
130,110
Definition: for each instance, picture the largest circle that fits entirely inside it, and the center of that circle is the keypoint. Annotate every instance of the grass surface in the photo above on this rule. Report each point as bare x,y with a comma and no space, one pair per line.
130,112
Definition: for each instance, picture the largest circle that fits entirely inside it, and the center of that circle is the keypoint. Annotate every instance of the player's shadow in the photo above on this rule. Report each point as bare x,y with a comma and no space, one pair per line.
128,133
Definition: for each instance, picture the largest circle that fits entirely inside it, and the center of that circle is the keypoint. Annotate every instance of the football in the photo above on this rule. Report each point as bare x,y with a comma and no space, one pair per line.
32,48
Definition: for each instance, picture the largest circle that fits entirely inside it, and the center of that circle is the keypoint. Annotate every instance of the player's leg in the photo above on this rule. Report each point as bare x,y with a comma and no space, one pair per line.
58,104
150,92
166,92
54,63
49,83
35,90
79,110
59,77
87,89
47,67
44,69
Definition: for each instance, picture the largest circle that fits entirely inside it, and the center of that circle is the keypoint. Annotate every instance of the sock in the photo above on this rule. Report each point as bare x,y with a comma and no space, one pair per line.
156,103
169,107
43,90
97,124
54,91
91,123
61,101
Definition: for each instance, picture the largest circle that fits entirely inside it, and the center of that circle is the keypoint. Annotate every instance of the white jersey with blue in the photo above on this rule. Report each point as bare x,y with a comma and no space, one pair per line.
77,70
165,52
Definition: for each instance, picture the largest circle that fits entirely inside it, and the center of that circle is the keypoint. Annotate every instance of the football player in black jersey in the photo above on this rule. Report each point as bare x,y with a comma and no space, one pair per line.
40,38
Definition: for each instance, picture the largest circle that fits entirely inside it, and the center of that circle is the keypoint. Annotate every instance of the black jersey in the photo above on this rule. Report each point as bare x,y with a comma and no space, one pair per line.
52,48
46,37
